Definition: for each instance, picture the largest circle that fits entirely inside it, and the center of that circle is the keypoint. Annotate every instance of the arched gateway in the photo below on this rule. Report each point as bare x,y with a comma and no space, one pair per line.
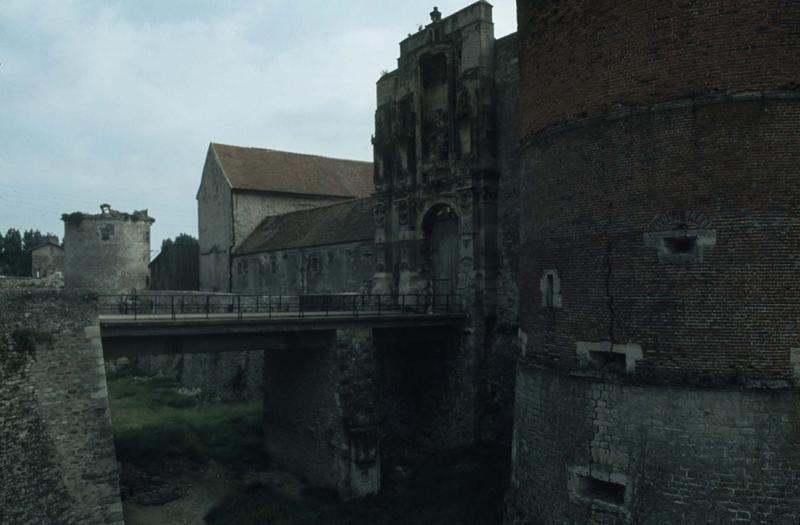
441,229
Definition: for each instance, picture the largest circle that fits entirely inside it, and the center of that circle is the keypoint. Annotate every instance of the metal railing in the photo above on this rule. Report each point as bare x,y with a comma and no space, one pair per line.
267,306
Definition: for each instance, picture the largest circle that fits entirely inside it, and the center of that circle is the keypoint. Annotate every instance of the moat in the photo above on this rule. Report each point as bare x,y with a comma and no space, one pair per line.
189,458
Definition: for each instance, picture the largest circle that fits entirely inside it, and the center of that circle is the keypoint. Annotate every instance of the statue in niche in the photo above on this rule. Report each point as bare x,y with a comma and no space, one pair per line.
438,137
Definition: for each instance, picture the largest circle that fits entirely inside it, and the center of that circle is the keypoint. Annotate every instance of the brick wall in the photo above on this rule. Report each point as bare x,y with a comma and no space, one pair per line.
593,192
658,263
57,462
584,57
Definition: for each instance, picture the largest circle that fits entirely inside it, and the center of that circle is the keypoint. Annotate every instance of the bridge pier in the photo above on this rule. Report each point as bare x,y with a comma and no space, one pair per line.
320,412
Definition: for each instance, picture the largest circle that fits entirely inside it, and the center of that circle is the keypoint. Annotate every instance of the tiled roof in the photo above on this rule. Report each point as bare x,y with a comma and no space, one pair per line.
278,171
348,221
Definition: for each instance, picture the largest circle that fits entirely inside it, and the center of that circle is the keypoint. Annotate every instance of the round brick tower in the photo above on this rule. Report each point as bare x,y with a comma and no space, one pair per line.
660,263
108,252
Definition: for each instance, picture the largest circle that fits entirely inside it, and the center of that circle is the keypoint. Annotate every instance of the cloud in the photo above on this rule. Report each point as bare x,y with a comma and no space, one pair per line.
117,101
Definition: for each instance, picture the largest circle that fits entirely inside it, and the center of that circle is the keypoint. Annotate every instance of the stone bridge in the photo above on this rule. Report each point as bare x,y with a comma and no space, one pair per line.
338,382
321,409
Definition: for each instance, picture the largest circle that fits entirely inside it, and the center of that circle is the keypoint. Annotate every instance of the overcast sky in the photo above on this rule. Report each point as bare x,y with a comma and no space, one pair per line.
117,101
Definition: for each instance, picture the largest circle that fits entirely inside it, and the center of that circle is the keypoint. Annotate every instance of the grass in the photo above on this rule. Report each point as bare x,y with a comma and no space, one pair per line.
153,423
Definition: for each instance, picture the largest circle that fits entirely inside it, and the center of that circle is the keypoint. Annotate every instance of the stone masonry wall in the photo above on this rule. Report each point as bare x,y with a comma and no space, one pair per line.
426,390
251,208
57,462
320,413
343,268
501,347
215,226
589,452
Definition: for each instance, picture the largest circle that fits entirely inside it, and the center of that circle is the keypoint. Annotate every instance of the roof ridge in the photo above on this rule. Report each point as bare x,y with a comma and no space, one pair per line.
291,153
307,210
284,220
326,205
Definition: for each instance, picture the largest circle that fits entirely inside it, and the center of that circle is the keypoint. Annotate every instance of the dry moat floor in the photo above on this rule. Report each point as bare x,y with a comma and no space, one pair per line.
189,460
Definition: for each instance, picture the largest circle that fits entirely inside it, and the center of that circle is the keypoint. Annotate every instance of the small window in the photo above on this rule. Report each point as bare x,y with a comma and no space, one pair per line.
607,361
147,236
597,489
273,266
680,245
106,232
315,264
548,292
550,288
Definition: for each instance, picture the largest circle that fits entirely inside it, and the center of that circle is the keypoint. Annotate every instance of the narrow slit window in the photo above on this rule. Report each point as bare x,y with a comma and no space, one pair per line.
550,288
548,292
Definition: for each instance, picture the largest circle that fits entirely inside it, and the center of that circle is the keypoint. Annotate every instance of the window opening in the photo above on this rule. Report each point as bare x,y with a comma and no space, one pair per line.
607,361
106,232
548,292
598,489
680,245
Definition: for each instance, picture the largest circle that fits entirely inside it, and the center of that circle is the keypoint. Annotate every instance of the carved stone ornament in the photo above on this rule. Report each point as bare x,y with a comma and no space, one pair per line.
439,146
402,213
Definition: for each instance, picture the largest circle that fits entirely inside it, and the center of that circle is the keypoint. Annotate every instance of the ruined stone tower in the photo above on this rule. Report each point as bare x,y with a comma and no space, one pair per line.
658,277
107,252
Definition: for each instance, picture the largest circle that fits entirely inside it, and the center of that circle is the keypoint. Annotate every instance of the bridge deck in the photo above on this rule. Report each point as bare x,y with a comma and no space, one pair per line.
281,321
231,332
